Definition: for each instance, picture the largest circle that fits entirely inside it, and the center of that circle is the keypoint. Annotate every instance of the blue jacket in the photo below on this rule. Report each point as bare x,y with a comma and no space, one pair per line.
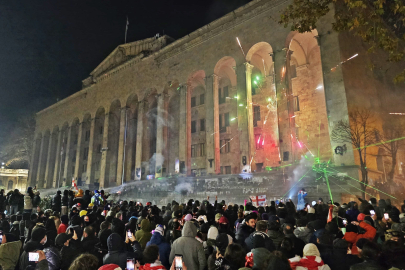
164,248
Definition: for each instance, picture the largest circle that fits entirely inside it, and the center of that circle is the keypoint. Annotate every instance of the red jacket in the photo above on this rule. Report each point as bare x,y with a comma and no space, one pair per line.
62,228
152,266
353,237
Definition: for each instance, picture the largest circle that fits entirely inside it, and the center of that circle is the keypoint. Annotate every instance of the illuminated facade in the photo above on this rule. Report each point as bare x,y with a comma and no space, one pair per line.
203,104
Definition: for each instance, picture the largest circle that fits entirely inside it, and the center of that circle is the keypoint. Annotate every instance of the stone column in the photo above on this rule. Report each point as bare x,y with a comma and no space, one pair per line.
67,150
159,135
58,158
41,149
48,160
212,148
121,146
188,129
79,142
34,149
249,101
139,138
91,149
104,150
272,122
183,128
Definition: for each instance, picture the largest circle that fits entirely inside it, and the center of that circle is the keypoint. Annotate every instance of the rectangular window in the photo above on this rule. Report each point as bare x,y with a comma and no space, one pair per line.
193,102
101,130
259,141
202,149
97,166
193,126
226,119
226,93
228,170
222,128
219,96
202,124
222,170
76,137
293,70
256,115
73,170
84,168
87,135
193,150
86,153
99,148
225,146
202,99
74,156
296,104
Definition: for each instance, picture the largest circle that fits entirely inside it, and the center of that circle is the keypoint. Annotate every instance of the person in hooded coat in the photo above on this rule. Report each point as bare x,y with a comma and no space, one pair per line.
143,235
191,249
71,248
9,252
245,230
116,251
312,259
164,247
261,229
51,232
57,202
37,242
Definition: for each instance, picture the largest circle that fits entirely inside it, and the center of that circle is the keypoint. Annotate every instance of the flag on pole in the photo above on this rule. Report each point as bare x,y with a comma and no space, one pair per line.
258,200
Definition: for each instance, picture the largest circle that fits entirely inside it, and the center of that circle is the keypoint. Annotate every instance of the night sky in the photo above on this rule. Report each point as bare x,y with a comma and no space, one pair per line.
47,47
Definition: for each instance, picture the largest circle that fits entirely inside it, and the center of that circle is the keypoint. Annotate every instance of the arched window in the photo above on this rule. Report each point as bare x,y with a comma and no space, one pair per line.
10,185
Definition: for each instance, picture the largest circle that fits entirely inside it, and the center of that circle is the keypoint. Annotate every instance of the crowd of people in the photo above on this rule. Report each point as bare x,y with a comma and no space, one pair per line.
88,231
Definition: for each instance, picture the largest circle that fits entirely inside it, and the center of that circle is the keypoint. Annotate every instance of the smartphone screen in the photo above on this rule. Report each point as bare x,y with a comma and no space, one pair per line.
33,256
372,212
178,262
386,216
344,222
308,206
1,238
130,264
129,234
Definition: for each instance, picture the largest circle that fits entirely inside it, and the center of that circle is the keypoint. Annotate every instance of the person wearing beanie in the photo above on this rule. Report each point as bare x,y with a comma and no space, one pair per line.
37,242
339,259
222,242
164,247
82,213
310,260
10,247
370,254
245,230
70,248
188,217
352,235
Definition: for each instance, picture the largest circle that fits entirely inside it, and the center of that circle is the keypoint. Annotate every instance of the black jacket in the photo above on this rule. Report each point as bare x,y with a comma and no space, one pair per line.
89,244
53,257
65,200
366,265
269,245
243,232
36,201
56,203
116,251
340,260
69,253
86,200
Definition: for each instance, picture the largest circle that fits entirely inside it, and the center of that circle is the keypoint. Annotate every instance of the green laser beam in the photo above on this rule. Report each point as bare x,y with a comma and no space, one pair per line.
360,189
297,182
380,143
327,182
343,188
366,185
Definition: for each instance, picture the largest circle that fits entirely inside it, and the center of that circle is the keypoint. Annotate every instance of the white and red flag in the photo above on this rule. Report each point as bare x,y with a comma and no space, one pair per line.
258,200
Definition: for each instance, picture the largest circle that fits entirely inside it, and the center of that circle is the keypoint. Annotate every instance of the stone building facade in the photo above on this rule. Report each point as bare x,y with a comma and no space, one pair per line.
241,94
11,179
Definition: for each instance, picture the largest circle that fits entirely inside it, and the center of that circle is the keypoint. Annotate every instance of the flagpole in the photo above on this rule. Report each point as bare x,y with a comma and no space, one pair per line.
126,30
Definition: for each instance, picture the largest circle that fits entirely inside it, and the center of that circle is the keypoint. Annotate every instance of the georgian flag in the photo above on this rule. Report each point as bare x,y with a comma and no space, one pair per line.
258,200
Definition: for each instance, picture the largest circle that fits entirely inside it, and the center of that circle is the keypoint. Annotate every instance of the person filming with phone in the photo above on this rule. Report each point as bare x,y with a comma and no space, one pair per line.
9,250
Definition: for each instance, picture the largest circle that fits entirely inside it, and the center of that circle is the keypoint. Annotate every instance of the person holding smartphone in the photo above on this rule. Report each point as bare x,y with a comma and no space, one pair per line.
9,251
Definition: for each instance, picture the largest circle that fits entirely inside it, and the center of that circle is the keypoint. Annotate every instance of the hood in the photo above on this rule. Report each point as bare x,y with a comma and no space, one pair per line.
212,233
156,239
80,193
382,203
311,250
103,236
32,245
115,243
87,192
145,225
189,229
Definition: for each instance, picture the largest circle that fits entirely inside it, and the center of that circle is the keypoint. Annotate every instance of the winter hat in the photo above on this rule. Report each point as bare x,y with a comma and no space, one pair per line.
83,213
110,267
265,216
369,220
361,217
212,233
311,250
160,230
373,200
223,220
177,214
352,228
218,216
38,234
204,228
11,237
258,240
61,239
274,218
188,217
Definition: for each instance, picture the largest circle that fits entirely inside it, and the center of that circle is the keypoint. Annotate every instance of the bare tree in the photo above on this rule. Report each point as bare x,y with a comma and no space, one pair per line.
358,131
16,150
391,141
